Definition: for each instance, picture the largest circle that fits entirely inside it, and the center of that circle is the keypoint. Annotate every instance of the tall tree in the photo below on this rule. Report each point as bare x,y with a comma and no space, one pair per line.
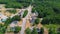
34,31
42,30
28,31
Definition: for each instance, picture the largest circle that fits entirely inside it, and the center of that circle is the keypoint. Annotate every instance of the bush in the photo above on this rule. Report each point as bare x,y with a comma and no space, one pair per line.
51,20
16,18
58,33
52,31
1,33
17,29
8,21
34,31
12,11
2,29
25,13
52,28
42,31
13,5
33,10
37,21
28,31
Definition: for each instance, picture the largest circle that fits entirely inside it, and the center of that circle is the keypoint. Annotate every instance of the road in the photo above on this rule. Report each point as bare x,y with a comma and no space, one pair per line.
24,19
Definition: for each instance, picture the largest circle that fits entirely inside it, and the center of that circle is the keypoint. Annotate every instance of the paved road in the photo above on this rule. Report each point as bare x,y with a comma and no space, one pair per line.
24,19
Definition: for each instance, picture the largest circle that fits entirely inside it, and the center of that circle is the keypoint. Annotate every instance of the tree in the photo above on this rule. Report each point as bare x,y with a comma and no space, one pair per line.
34,31
52,31
2,29
45,20
17,29
13,5
33,10
42,31
8,21
56,10
12,11
37,21
28,31
25,13
16,17
51,19
1,33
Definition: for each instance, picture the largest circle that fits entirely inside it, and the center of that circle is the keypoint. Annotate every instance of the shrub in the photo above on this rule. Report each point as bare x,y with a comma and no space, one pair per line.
25,13
42,30
12,11
37,21
16,17
28,31
34,31
17,29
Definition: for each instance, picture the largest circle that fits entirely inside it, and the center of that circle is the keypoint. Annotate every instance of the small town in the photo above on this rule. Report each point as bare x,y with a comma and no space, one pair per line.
29,16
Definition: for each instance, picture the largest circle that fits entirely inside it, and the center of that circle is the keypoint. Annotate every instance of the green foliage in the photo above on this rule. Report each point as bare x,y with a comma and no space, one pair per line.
2,28
8,21
25,13
51,20
17,18
37,21
1,33
12,11
48,10
17,29
34,31
52,31
56,10
28,31
52,28
33,10
58,33
14,3
4,1
42,30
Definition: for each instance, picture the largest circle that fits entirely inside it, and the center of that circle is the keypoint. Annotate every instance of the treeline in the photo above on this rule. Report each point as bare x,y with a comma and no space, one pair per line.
48,10
14,3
